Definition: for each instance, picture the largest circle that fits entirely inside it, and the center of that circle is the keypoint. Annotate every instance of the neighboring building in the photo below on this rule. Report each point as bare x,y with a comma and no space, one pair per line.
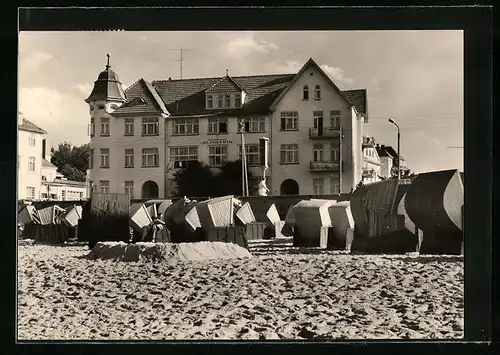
371,161
30,141
140,136
388,159
38,178
56,187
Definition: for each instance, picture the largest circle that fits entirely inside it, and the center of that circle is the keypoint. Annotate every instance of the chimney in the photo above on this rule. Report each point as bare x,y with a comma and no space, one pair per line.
169,78
44,148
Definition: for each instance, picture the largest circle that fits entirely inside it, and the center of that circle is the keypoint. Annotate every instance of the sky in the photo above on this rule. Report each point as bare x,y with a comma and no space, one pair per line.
414,77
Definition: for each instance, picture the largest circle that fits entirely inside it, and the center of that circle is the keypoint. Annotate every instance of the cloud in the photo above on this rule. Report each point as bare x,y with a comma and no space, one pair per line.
290,66
64,116
84,88
336,74
248,44
35,61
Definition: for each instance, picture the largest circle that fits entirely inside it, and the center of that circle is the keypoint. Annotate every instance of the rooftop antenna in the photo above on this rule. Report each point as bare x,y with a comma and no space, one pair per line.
181,59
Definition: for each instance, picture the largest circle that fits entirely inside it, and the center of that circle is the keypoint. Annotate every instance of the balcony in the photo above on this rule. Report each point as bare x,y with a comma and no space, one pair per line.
325,133
326,166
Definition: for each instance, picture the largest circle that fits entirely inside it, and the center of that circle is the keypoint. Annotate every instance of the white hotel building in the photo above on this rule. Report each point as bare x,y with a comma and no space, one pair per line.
139,134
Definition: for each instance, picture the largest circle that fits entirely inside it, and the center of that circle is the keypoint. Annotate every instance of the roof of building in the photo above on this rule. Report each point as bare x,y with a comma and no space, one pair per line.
387,151
59,181
27,125
185,97
107,87
141,98
47,164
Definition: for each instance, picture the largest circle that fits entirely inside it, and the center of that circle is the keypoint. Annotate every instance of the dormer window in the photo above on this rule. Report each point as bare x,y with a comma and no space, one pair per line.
210,101
227,101
317,93
237,100
305,93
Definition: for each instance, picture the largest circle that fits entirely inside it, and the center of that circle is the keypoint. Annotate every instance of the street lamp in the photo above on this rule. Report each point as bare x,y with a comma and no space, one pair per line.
399,141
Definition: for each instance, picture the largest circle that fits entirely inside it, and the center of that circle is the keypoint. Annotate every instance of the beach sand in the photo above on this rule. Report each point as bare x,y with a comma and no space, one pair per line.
280,292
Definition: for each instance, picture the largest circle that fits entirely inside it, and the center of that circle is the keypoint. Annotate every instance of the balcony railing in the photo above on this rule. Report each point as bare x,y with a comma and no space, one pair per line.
315,133
332,166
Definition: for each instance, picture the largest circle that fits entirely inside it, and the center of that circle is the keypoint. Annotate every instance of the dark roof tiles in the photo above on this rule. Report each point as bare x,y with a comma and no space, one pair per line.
357,98
142,98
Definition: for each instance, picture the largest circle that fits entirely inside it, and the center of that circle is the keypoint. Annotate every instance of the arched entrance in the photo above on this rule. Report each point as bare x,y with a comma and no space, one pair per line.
289,187
150,189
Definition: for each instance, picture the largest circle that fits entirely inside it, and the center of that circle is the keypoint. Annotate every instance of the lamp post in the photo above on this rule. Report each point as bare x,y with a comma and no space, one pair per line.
399,142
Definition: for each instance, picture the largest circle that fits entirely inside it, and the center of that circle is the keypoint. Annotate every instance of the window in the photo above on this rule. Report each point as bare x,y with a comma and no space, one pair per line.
255,124
104,127
186,153
63,195
334,152
210,101
30,192
220,100
31,163
129,158
217,125
305,93
150,126
129,126
129,188
101,107
237,100
104,186
318,186
252,154
91,159
186,127
318,119
318,152
44,178
227,101
289,120
32,140
317,93
150,157
105,158
335,119
92,127
217,154
289,154
334,186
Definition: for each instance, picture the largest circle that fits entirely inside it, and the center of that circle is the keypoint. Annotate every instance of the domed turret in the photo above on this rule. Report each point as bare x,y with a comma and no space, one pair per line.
107,87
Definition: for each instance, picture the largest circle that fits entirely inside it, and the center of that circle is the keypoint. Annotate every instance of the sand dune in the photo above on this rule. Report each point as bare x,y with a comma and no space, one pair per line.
280,292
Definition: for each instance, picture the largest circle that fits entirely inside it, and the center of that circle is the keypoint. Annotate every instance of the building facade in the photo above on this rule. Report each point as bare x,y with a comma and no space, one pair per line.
141,136
30,141
388,160
371,161
38,179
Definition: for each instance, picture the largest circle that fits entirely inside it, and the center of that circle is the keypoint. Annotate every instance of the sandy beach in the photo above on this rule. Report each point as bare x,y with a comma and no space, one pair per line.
280,292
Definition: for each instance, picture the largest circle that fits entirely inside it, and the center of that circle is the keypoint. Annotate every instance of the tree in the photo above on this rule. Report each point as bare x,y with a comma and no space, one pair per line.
71,161
195,180
229,179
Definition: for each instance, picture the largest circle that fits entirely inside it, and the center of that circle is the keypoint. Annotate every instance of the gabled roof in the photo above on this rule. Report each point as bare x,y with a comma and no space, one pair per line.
387,151
226,84
30,126
142,98
301,71
48,164
187,96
